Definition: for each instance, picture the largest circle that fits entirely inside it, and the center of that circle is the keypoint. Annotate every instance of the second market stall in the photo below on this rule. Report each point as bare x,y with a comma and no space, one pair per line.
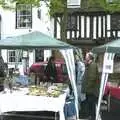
109,50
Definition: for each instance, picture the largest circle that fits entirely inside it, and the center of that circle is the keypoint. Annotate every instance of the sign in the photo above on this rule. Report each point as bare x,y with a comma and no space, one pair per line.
25,54
108,62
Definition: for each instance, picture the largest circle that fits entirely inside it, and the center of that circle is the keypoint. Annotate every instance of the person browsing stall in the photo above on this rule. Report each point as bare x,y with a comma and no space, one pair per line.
91,84
50,70
80,70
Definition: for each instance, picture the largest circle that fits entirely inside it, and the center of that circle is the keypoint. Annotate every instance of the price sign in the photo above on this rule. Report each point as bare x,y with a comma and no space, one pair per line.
25,54
108,62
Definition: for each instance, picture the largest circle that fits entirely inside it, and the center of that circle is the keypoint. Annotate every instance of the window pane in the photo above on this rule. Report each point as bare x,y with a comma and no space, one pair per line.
71,23
11,53
12,56
12,59
28,7
115,21
24,16
20,60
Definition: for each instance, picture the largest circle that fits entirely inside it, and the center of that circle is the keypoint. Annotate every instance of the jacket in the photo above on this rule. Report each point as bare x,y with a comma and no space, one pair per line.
91,84
51,71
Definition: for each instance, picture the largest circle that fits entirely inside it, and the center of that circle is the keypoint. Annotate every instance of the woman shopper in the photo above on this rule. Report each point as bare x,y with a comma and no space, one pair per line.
80,70
50,70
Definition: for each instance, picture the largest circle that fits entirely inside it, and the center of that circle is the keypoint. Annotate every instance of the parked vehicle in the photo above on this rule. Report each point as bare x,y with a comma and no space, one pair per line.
112,95
39,67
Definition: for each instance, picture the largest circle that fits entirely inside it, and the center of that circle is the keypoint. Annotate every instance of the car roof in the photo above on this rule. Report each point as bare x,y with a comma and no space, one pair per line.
58,61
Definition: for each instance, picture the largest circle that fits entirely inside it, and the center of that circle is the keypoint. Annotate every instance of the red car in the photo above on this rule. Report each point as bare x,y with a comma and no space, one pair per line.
62,75
112,91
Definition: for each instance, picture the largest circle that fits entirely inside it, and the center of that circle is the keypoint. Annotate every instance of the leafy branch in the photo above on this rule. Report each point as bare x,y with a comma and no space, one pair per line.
113,6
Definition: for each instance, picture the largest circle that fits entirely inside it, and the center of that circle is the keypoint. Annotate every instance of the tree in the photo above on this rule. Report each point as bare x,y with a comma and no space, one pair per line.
107,5
60,6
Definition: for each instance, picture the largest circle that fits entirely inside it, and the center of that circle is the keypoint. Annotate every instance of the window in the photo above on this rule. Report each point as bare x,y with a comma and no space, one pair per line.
39,55
73,3
117,58
71,23
14,56
23,16
39,13
115,21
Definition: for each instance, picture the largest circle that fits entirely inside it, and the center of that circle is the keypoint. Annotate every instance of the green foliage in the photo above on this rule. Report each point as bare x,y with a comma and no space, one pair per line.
107,6
2,3
114,7
54,6
33,2
7,4
57,6
93,3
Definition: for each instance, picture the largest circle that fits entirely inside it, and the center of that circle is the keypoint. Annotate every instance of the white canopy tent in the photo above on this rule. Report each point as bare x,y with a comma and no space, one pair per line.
107,68
109,50
35,40
70,63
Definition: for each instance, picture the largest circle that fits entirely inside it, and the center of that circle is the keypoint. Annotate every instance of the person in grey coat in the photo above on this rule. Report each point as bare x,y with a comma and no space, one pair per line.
80,70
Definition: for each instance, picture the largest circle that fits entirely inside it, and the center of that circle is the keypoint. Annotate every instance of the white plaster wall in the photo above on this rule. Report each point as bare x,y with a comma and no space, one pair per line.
9,22
8,26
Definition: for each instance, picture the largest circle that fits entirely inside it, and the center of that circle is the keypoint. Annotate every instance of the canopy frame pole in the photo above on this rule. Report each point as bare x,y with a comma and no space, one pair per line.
108,62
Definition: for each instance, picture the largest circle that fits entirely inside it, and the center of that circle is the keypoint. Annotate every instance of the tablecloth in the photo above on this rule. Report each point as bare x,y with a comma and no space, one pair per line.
19,101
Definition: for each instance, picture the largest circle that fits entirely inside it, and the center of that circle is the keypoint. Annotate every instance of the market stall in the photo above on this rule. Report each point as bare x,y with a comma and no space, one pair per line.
28,42
35,99
109,50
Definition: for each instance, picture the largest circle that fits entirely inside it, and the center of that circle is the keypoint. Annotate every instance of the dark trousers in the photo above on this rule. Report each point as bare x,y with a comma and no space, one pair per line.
91,101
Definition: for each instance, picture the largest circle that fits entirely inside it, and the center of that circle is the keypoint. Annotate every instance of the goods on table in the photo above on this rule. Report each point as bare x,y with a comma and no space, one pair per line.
51,91
35,90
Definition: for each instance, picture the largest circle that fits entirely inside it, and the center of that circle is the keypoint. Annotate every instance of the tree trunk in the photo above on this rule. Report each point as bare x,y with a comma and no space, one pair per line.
64,24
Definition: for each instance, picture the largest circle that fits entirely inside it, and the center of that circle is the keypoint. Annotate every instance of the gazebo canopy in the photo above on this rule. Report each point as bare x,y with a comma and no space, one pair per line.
111,47
37,39
32,40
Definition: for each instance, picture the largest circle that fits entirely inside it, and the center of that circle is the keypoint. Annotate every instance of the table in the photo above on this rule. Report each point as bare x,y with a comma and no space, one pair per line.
19,101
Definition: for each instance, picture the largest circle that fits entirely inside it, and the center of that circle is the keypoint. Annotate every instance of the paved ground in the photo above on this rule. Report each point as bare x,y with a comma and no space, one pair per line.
111,116
114,114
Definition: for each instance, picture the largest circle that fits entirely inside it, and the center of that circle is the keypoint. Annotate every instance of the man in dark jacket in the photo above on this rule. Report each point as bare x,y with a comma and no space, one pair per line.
91,85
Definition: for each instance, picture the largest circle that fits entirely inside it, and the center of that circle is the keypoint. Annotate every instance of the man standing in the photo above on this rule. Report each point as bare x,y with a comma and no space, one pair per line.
91,85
